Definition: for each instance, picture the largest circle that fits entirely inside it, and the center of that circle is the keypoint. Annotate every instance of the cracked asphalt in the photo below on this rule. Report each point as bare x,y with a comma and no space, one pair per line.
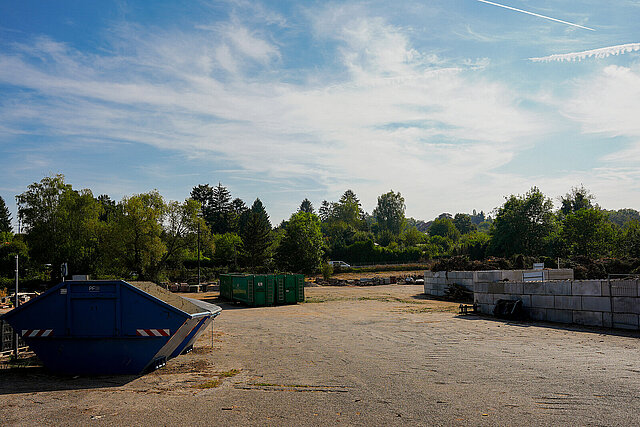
382,355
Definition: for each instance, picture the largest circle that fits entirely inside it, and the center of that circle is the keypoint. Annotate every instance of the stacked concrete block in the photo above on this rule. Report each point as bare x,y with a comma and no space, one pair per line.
614,303
584,302
559,274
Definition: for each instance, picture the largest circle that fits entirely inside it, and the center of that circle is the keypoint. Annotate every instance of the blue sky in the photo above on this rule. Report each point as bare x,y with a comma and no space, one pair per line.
454,103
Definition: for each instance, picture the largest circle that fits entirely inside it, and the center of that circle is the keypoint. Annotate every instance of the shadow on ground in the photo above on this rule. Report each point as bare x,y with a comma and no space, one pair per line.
550,325
38,379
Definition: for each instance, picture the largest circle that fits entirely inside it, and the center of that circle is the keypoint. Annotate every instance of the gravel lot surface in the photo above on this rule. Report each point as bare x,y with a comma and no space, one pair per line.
382,355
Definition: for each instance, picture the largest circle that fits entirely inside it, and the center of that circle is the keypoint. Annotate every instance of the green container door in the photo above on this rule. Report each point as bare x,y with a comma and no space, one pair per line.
299,287
226,287
289,288
279,288
240,289
263,290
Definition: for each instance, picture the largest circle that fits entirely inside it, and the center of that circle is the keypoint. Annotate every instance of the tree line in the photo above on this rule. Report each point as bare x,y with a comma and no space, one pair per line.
144,236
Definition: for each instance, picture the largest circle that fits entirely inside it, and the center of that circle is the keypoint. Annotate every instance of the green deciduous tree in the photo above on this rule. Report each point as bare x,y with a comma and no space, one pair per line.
444,227
135,238
228,249
389,213
522,225
411,237
629,240
463,223
301,246
62,224
578,198
588,232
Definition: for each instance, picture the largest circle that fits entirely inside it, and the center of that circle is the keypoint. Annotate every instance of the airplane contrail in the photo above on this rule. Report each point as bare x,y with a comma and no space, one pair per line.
602,52
536,14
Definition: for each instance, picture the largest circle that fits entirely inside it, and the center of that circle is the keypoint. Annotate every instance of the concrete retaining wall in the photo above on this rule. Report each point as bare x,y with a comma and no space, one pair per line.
437,282
586,302
558,298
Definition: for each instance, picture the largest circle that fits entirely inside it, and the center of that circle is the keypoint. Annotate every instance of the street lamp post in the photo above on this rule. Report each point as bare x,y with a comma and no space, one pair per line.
16,304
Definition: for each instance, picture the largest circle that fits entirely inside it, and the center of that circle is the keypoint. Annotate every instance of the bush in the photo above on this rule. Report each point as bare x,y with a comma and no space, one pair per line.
327,271
462,263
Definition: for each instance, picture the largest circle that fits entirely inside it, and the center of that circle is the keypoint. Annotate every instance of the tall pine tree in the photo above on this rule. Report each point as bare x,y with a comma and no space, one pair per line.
5,217
256,234
221,210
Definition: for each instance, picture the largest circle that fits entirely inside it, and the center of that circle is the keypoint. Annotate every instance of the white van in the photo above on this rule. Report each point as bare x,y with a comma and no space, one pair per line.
338,264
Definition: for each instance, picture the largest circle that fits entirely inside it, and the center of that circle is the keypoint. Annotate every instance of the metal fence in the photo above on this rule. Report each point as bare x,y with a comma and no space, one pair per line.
623,293
7,339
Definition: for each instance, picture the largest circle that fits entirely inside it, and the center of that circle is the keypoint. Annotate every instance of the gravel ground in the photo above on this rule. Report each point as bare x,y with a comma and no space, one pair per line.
381,355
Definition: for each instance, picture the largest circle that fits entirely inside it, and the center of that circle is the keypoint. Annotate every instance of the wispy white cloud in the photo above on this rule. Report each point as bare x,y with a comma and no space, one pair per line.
602,52
389,116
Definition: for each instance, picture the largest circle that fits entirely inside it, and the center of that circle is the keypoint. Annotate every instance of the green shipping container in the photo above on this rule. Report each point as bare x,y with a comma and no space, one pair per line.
252,290
289,288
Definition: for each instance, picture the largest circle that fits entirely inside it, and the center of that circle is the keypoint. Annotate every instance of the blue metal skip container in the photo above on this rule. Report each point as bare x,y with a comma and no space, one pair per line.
109,327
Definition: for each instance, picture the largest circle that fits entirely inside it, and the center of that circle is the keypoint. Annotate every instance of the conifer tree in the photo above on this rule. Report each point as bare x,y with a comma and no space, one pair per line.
256,234
5,217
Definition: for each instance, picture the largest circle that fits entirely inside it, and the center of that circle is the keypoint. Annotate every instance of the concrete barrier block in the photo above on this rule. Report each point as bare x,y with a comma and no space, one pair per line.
512,275
497,297
562,274
623,288
466,282
626,321
564,302
537,313
488,276
591,318
513,288
483,298
485,308
481,287
542,301
558,288
626,305
526,300
533,288
428,274
596,303
607,320
586,287
560,316
467,275
496,288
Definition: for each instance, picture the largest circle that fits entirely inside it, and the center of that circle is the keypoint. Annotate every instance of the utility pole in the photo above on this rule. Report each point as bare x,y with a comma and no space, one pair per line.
16,304
198,251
